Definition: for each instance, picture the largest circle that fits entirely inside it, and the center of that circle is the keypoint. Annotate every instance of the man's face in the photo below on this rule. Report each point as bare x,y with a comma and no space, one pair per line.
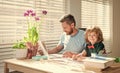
67,28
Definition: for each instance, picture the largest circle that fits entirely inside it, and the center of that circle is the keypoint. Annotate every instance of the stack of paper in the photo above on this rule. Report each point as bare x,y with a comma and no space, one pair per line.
98,62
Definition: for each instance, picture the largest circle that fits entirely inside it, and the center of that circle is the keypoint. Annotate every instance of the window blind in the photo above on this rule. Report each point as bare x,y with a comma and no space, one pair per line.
51,29
13,24
97,12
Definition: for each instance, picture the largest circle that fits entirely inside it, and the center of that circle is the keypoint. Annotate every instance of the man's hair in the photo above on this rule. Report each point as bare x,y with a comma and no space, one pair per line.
69,19
97,30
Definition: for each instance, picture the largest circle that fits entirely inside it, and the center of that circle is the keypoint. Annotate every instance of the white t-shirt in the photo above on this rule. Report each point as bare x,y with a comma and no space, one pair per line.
74,43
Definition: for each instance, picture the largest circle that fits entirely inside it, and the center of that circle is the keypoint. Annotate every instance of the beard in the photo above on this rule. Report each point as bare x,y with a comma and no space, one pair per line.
70,32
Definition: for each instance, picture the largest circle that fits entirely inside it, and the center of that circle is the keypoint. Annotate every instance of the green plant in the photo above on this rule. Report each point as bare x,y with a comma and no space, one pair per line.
33,23
19,45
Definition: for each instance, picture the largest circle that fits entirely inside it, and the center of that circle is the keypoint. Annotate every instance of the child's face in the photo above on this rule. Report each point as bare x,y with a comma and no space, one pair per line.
92,37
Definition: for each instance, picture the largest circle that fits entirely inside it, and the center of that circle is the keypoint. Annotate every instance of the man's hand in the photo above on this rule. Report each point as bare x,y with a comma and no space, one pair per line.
68,54
40,52
78,57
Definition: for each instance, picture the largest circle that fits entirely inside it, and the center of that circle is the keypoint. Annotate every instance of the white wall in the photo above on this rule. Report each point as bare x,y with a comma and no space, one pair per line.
74,6
116,28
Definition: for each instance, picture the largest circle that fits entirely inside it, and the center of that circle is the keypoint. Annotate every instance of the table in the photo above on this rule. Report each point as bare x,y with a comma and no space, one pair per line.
56,65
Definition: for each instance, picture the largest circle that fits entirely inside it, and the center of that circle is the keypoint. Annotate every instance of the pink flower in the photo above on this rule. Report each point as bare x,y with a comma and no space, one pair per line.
44,12
33,14
29,11
26,14
37,18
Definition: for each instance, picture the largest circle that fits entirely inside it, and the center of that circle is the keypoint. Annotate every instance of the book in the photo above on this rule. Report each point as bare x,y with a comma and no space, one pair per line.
98,62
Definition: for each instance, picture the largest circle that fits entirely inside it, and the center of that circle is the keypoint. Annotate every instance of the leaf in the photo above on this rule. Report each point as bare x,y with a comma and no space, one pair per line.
19,45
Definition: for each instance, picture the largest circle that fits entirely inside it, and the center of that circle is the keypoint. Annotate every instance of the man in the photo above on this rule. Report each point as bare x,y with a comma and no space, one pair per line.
72,41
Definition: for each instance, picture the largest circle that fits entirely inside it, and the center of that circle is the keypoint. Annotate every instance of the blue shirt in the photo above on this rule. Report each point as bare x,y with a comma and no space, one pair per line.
74,43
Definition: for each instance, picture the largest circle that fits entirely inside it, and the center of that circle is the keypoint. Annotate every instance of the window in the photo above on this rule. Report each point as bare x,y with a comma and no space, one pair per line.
97,12
13,25
51,29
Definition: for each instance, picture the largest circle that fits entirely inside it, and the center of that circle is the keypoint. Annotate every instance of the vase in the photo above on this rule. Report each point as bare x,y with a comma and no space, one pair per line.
20,53
31,50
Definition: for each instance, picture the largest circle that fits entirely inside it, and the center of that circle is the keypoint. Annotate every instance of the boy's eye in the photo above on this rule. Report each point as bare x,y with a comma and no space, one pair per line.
91,35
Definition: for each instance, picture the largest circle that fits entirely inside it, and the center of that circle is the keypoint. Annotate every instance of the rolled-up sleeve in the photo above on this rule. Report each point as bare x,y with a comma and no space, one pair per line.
61,41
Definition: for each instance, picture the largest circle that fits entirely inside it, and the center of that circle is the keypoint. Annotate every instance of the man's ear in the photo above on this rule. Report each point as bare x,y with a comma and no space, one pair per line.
72,25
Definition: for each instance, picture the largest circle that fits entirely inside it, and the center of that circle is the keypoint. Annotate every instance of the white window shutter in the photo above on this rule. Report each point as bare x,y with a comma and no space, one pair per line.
13,25
51,28
97,12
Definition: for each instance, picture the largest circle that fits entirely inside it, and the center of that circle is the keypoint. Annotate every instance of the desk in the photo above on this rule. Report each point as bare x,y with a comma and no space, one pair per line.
47,66
113,69
52,66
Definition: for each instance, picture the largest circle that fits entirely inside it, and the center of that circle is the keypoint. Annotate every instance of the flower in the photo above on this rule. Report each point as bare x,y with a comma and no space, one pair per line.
31,40
33,22
44,12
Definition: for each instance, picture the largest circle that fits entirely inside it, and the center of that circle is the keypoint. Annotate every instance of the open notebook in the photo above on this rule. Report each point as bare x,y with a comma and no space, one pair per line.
42,47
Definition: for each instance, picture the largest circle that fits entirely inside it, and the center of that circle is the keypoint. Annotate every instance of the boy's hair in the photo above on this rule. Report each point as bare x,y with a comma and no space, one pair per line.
69,19
97,30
